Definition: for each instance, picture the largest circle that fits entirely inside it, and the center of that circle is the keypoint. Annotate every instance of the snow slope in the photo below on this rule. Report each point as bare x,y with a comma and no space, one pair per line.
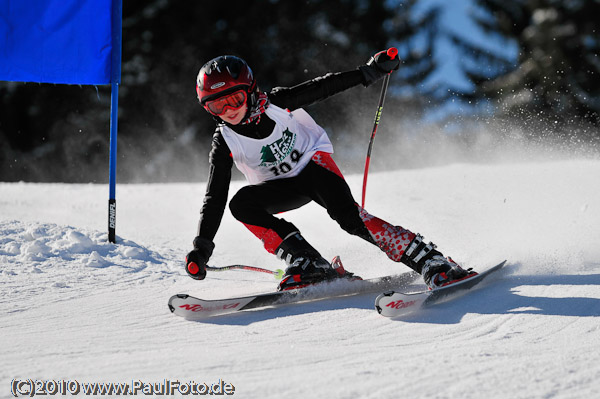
75,307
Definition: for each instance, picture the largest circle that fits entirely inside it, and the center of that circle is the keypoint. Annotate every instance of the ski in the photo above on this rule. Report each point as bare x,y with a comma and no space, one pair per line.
192,308
394,304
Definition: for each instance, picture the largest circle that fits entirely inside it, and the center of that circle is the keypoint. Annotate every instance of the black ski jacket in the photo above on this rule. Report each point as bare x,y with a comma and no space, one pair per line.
220,160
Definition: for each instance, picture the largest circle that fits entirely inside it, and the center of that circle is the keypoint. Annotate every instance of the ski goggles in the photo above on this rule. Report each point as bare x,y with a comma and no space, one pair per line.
234,101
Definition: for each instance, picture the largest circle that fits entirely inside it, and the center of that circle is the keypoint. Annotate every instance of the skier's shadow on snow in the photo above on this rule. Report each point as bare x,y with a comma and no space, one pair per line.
509,295
499,295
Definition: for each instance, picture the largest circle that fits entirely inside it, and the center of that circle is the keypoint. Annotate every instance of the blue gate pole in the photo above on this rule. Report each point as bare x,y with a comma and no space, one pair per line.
115,79
112,161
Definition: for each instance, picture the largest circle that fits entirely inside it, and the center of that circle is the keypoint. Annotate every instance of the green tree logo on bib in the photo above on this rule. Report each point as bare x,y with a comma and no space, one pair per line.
274,153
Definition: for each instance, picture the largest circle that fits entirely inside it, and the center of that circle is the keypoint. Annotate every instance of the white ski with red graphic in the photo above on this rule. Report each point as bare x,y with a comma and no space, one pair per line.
394,304
193,308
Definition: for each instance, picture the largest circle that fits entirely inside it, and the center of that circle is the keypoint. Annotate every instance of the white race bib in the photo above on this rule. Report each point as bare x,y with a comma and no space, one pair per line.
294,140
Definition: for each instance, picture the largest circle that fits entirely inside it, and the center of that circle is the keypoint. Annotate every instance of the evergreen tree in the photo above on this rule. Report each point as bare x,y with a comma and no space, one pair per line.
556,77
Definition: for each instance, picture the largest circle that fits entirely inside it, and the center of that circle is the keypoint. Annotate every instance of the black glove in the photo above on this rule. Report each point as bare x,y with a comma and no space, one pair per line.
378,66
384,63
195,261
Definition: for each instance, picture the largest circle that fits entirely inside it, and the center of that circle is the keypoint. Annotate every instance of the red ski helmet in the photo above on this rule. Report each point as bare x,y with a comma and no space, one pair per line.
224,75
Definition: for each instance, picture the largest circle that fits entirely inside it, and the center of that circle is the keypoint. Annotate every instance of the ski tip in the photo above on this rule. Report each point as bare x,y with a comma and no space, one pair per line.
379,298
180,296
499,265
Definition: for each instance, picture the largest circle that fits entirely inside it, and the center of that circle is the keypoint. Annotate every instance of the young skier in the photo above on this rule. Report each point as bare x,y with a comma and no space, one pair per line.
286,157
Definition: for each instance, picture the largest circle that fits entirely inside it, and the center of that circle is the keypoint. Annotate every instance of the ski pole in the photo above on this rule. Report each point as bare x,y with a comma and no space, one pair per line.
392,52
278,273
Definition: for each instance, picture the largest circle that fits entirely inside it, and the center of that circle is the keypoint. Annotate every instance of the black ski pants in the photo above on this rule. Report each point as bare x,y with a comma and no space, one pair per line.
256,205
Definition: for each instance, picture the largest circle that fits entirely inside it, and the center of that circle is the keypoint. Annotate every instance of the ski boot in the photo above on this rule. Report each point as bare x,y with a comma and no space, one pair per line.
437,271
305,265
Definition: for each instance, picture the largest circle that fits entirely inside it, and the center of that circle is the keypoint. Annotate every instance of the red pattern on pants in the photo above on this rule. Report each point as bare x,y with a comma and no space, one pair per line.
393,240
270,238
325,160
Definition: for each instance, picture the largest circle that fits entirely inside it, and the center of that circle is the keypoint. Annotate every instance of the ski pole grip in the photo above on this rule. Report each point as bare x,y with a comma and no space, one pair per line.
392,52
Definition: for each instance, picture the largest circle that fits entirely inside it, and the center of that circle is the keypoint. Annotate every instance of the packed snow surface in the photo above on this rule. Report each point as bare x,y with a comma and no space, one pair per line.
77,308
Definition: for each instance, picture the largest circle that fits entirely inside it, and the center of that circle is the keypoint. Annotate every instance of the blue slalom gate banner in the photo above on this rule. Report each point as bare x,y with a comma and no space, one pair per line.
56,41
70,42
